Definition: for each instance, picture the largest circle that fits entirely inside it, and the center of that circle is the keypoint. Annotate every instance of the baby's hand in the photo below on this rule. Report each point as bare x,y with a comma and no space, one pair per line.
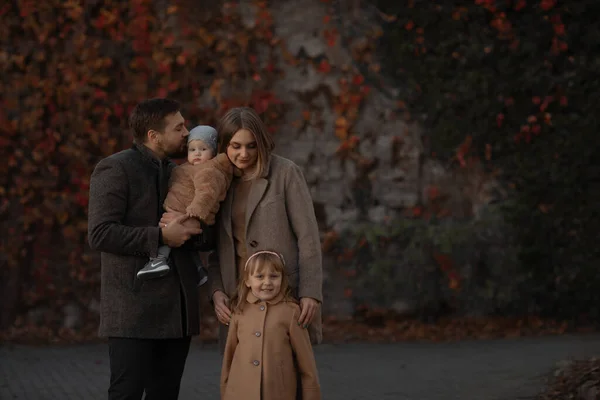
192,222
190,213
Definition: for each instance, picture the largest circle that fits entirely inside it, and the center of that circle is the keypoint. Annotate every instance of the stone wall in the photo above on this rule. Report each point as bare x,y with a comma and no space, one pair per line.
394,170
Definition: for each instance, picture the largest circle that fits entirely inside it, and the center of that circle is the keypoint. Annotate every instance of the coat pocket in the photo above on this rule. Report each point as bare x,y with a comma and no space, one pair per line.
122,270
228,393
136,284
285,385
288,377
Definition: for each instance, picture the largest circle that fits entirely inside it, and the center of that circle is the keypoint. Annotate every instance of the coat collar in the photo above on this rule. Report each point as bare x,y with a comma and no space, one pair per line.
267,169
259,186
251,298
257,190
149,155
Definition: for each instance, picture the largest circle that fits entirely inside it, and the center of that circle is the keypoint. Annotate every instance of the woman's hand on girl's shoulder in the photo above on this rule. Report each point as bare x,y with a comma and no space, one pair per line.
309,308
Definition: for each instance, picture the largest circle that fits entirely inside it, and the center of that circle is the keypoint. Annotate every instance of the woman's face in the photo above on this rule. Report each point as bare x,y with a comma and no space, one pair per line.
242,151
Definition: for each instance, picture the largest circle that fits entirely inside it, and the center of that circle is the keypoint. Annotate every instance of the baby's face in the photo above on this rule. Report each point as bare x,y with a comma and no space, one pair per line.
198,152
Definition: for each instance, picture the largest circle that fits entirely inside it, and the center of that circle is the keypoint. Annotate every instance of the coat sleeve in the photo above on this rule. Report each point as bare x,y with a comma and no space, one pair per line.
214,273
307,366
210,188
230,346
107,209
301,215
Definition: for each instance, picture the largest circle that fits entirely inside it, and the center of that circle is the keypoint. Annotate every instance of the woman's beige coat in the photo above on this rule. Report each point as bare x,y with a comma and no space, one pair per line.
266,352
279,216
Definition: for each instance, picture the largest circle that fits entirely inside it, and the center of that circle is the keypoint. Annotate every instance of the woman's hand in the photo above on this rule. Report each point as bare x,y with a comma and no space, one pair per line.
308,307
221,302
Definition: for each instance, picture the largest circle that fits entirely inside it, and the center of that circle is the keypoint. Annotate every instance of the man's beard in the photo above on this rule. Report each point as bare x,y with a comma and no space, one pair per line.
181,152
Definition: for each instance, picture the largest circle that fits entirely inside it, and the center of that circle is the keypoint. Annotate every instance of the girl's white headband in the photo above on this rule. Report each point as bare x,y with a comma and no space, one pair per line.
264,252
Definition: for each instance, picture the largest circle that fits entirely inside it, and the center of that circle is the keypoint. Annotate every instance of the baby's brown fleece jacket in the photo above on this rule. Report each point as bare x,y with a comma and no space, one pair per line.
199,189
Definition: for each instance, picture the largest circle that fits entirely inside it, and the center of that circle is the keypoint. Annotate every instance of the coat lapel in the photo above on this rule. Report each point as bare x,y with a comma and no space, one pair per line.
257,190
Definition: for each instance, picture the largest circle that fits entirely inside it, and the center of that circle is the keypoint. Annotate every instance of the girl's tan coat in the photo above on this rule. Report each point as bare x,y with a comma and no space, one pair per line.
264,346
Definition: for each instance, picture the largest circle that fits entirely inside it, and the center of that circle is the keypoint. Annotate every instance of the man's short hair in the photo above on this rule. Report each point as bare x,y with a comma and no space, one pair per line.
150,115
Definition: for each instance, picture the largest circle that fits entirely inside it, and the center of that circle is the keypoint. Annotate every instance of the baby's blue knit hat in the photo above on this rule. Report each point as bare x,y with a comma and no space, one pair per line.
207,134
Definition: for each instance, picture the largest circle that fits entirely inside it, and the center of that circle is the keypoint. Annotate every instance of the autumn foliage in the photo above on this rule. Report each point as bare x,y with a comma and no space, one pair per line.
72,71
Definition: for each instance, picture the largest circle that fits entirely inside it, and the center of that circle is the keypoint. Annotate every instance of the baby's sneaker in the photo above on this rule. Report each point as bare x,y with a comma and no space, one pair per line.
155,268
202,275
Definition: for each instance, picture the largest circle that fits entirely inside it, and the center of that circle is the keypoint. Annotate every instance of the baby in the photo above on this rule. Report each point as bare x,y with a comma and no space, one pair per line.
196,188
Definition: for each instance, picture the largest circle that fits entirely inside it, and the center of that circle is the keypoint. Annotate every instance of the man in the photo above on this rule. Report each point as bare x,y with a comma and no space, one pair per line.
149,324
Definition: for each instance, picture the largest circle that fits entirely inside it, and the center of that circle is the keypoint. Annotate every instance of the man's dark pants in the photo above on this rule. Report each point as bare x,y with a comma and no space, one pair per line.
153,365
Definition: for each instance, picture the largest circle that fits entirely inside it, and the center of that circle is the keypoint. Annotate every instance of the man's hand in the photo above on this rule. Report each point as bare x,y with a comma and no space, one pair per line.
309,307
171,215
221,302
175,233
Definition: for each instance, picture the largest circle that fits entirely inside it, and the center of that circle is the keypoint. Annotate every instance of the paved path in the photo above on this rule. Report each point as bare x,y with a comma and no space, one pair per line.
475,370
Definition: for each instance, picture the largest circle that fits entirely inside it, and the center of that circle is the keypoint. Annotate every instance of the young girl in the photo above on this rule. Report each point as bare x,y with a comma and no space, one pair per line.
266,350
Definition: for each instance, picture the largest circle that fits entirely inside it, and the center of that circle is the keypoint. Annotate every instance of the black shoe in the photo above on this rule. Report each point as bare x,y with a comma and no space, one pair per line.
155,268
202,276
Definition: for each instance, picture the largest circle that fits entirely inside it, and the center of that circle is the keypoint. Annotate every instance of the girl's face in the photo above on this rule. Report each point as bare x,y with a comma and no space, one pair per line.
198,152
265,282
242,151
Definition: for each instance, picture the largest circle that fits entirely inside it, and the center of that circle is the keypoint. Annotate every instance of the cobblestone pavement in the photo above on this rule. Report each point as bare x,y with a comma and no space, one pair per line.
474,370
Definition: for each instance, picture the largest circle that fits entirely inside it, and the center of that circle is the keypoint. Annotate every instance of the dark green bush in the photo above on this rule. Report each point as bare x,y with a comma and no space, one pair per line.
520,78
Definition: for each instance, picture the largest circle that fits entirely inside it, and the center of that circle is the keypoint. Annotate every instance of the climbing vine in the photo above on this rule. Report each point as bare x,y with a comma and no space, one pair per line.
507,84
72,71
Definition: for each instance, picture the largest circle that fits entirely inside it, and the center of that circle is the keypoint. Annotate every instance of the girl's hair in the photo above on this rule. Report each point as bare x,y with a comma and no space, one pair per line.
259,262
246,118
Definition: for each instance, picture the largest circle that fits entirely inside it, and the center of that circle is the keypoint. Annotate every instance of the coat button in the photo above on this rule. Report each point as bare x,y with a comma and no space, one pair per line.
256,363
253,243
257,334
262,308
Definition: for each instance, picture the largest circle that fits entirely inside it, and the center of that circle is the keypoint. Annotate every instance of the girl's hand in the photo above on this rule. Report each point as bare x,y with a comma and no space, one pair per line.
309,307
221,302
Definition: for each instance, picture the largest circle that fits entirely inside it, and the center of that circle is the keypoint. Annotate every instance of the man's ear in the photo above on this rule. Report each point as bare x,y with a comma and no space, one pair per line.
152,135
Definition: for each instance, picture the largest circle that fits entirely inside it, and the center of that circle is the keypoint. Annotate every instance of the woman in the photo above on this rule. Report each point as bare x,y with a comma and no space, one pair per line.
268,206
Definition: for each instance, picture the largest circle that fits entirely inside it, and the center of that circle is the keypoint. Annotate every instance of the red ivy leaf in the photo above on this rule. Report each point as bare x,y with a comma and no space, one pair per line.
324,67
